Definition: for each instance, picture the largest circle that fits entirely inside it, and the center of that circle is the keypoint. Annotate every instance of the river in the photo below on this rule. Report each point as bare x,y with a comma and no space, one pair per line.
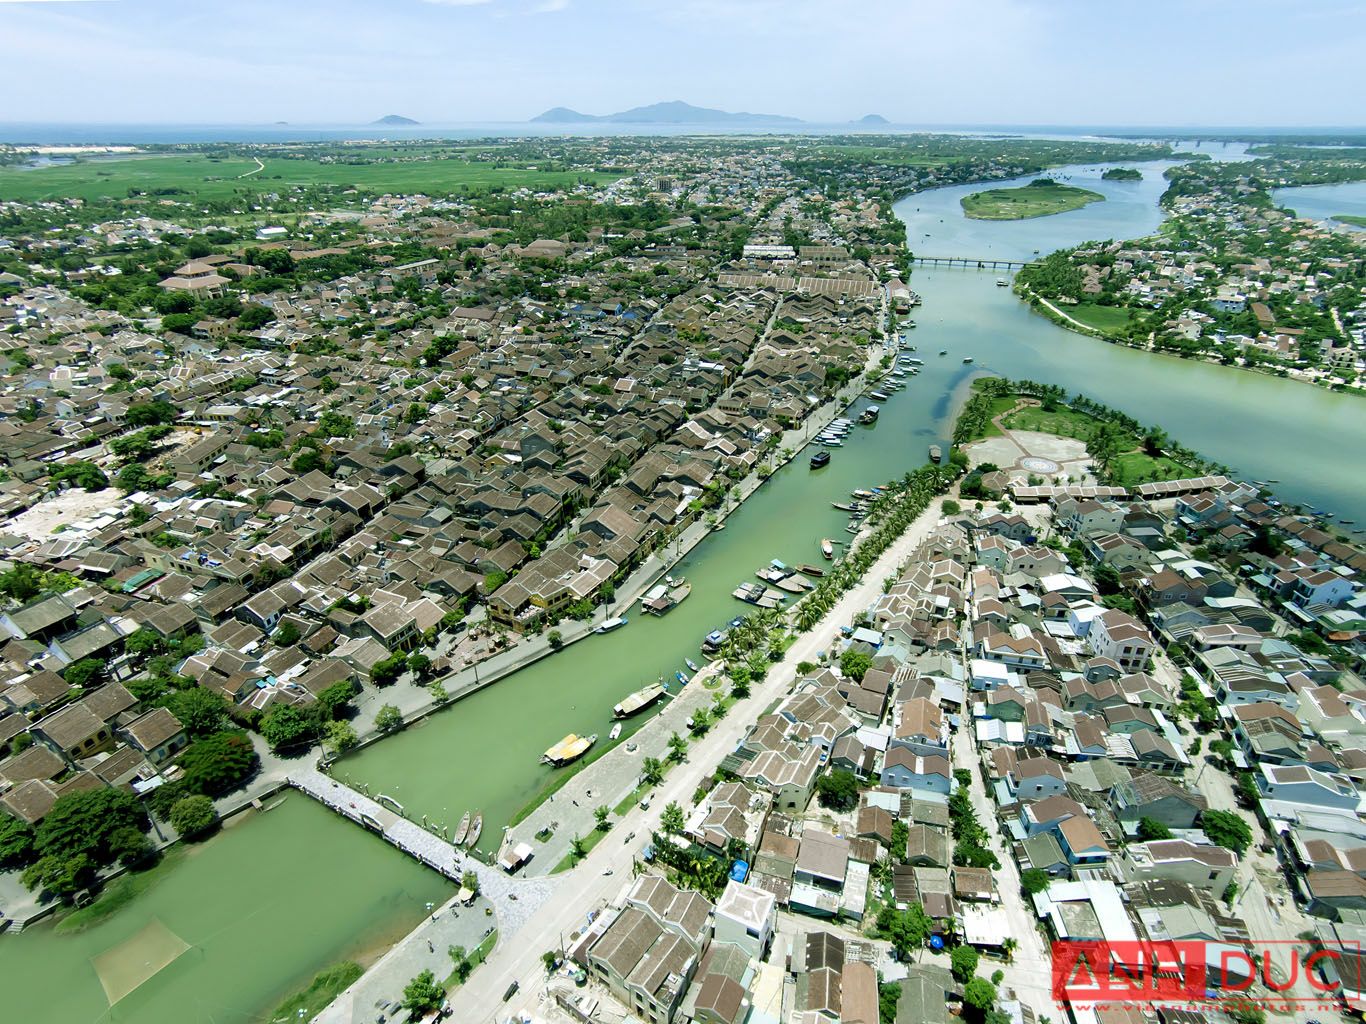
274,899
1325,202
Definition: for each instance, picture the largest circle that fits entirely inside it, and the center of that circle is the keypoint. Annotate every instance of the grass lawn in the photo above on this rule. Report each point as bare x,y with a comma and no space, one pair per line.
1037,199
589,841
203,177
1106,319
1350,218
1062,421
1140,468
326,985
476,956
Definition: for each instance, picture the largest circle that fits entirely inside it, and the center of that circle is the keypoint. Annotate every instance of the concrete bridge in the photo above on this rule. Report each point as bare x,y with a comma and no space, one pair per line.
514,899
980,262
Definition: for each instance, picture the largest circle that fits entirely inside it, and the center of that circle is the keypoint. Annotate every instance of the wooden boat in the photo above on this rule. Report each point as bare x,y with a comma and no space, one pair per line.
476,827
757,595
794,584
967,359
869,415
827,548
811,570
638,701
568,750
461,831
692,665
616,622
935,453
820,459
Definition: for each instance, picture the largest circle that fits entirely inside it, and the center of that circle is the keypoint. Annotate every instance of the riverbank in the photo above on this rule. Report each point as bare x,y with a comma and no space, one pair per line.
1051,312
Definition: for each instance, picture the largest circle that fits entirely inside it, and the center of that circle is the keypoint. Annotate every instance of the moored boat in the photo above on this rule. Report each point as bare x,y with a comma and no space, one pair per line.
461,831
820,459
615,732
692,665
935,453
869,415
827,548
811,570
638,701
568,750
476,828
616,622
682,679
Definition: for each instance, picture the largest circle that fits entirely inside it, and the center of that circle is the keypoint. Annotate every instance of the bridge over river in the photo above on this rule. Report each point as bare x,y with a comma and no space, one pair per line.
514,899
969,261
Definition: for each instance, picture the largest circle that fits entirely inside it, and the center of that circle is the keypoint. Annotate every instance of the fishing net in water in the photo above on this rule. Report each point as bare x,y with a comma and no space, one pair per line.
124,967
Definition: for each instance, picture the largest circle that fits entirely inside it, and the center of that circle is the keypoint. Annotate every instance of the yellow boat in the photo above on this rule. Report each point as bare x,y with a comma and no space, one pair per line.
568,750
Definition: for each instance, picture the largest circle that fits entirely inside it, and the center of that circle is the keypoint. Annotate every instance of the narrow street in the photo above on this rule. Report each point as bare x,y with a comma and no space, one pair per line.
607,871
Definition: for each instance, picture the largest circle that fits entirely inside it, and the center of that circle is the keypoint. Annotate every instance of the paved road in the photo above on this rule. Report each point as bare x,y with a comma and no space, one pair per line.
607,871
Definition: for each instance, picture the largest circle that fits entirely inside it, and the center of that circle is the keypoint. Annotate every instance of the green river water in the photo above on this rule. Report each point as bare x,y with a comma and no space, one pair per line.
279,895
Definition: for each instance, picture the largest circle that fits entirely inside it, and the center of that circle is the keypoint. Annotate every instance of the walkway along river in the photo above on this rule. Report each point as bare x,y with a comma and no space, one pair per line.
273,900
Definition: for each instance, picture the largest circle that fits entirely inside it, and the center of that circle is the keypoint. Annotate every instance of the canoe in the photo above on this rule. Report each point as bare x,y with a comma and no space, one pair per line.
462,830
476,827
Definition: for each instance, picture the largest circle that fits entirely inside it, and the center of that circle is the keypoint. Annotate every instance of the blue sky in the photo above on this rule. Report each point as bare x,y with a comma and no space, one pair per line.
1160,62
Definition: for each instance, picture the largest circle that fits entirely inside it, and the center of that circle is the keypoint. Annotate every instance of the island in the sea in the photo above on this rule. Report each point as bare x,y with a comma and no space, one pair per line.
1040,198
395,119
672,112
1122,174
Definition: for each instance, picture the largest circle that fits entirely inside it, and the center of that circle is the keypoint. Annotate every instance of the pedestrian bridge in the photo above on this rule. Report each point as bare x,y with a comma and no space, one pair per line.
970,261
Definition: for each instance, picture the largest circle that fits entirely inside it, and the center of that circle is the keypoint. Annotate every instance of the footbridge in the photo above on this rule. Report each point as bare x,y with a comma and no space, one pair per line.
970,261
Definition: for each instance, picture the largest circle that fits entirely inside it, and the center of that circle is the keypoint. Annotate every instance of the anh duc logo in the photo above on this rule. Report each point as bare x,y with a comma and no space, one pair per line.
1191,971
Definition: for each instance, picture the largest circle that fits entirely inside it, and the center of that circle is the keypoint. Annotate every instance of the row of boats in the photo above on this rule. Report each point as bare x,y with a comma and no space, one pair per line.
468,831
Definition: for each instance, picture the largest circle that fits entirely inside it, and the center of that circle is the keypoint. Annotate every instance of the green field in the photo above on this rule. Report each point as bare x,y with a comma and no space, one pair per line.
1140,468
1350,218
203,177
1103,318
1040,198
1062,421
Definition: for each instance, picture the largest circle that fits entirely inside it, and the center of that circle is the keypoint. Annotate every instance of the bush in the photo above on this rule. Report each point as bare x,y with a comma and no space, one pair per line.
389,719
193,816
838,790
1227,829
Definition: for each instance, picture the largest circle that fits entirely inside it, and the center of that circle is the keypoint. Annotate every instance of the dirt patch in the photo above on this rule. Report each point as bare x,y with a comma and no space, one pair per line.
65,508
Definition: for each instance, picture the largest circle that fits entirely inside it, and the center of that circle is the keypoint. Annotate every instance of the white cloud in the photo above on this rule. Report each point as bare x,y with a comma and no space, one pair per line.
550,6
458,3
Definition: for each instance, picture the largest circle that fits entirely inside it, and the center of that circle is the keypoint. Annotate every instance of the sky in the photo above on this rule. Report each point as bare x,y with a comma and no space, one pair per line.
949,62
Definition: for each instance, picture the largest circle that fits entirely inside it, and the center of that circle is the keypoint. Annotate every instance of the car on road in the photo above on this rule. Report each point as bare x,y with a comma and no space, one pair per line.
512,991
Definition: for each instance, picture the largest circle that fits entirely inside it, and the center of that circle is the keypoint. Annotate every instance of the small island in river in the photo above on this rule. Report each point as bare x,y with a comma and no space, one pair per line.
1350,218
1040,198
1122,174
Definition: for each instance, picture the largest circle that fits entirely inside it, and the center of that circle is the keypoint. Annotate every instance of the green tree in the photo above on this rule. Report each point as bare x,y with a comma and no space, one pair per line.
219,763
855,663
963,962
652,770
1033,880
907,930
888,996
339,737
387,670
422,995
420,666
672,819
551,959
1227,829
838,790
1151,828
555,639
193,816
979,994
16,842
389,719
146,414
578,847
202,712
85,672
678,748
460,963
287,635
83,832
601,814
336,698
470,880
285,726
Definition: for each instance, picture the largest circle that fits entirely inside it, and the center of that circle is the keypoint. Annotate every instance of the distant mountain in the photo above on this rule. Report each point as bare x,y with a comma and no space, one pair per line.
674,112
872,119
394,119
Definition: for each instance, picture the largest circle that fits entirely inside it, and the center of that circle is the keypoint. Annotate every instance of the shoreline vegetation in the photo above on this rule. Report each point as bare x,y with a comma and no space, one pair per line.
1349,218
1122,174
1042,197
